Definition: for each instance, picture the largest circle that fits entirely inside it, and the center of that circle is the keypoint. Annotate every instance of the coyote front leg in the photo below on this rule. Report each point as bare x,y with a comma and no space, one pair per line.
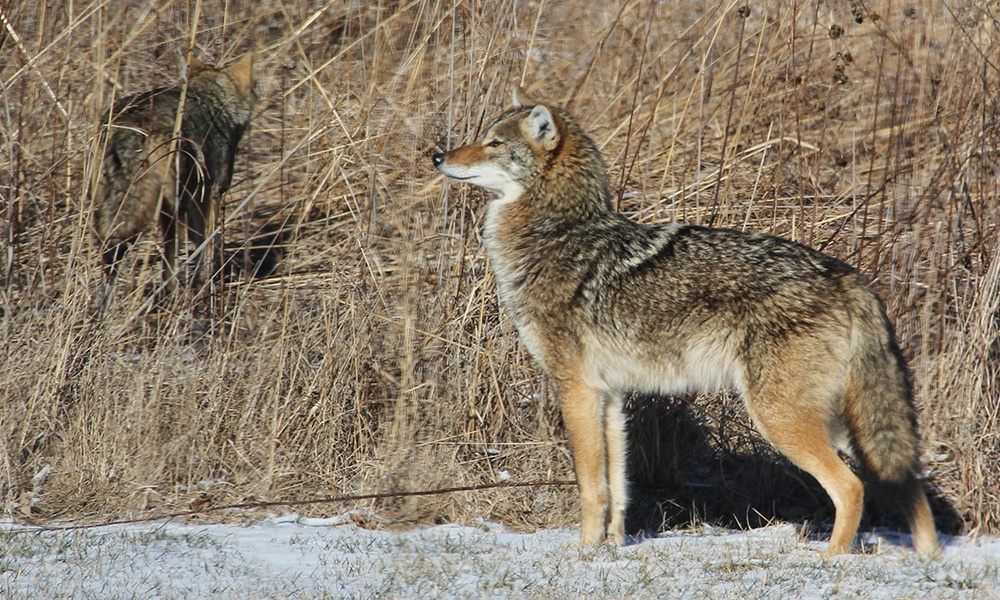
583,412
616,448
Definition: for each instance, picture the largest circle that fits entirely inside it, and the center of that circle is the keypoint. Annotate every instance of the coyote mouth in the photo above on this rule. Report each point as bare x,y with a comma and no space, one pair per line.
454,177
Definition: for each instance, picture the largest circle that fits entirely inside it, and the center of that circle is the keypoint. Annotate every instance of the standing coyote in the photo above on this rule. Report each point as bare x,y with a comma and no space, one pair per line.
139,181
609,306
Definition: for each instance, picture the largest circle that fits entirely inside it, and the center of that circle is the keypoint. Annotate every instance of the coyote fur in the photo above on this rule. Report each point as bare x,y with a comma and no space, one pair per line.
143,181
609,306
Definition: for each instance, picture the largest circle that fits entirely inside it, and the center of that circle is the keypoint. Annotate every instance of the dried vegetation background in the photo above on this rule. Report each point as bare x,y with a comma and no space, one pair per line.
375,358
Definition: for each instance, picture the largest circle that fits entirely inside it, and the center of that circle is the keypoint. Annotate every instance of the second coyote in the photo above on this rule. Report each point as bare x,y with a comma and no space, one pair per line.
609,306
143,182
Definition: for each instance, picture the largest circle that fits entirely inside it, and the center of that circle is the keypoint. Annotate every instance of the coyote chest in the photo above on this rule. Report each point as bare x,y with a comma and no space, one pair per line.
513,271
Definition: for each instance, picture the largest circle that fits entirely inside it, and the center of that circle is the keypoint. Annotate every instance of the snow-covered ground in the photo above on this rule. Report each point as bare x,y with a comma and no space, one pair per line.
291,557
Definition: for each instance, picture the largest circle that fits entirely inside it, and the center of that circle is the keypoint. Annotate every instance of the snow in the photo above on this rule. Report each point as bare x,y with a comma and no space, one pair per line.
296,557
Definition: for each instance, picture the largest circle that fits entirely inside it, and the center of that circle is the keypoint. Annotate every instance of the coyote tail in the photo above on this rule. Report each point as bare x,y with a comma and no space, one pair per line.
880,410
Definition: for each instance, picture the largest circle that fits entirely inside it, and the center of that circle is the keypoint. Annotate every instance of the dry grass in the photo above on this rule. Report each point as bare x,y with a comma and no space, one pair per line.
377,359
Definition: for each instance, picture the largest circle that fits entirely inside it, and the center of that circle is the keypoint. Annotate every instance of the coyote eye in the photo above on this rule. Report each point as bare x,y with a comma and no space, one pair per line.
494,144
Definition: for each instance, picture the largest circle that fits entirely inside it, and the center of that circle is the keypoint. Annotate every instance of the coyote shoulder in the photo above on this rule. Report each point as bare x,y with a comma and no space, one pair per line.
142,181
610,306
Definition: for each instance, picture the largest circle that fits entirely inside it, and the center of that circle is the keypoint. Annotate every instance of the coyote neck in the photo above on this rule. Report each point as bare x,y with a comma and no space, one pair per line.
545,260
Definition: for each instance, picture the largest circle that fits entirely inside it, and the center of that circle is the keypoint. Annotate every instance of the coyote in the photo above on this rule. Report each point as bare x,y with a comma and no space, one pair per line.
609,306
139,181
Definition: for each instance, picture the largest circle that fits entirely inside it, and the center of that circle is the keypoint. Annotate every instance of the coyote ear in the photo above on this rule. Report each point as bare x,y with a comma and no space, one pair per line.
519,97
242,71
542,127
192,66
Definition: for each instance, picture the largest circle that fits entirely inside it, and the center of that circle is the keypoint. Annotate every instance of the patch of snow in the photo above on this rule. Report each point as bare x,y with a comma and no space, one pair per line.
289,556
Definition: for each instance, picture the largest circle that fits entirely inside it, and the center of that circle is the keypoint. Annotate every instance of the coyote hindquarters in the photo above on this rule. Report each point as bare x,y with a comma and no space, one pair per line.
142,181
609,306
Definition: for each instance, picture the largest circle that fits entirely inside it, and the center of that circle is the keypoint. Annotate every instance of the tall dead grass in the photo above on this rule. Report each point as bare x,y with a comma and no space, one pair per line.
376,358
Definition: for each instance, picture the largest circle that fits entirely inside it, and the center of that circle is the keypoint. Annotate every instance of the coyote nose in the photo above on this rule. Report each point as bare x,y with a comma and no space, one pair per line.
438,158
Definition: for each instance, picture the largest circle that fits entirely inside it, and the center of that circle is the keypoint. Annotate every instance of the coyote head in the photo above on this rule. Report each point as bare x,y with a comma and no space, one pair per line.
511,155
537,149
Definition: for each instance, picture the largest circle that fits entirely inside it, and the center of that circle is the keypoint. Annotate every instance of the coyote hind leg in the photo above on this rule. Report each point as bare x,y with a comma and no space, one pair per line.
805,439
